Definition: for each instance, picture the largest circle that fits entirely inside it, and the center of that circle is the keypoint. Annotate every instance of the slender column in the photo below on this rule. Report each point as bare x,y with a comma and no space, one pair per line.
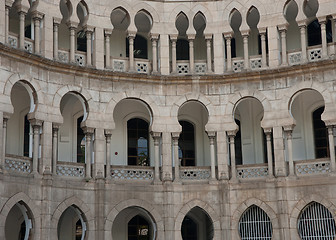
283,31
7,24
208,39
289,130
173,39
55,29
154,38
156,136
333,33
324,38
303,28
88,150
22,15
108,34
55,128
108,135
88,32
191,39
228,37
176,136
268,132
36,124
262,33
331,147
212,136
72,28
4,139
232,135
131,37
37,17
245,35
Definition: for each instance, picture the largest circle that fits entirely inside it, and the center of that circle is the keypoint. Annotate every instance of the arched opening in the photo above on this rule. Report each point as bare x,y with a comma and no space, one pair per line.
316,222
182,44
142,48
72,224
83,15
71,137
63,30
254,40
255,224
249,140
134,223
130,139
19,130
293,36
197,225
310,139
194,147
120,20
199,23
237,48
19,224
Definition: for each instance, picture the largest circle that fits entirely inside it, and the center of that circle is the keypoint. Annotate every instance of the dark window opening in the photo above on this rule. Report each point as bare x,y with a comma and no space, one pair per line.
314,33
80,142
189,229
22,233
27,32
79,230
259,44
329,31
138,229
140,47
233,48
138,142
187,144
238,145
81,41
320,135
26,136
182,49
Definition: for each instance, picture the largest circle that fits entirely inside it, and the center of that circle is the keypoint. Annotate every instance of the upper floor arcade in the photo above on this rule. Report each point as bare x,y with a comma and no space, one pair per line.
171,38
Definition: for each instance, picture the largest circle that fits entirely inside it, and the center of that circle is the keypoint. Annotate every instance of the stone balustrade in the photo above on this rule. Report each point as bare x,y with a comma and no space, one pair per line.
312,167
132,173
70,169
18,164
252,171
195,173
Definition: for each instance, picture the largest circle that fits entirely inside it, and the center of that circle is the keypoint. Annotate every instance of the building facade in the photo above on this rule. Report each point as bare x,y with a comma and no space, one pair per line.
167,119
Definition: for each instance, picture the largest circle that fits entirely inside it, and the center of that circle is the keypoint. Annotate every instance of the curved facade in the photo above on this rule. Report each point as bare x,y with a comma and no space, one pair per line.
167,119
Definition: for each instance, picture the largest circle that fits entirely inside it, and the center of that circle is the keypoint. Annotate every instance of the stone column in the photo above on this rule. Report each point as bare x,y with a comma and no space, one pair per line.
72,28
154,39
37,17
156,136
108,34
323,22
22,14
7,23
333,33
303,34
208,38
232,135
55,128
289,130
222,156
331,147
36,124
108,135
88,32
88,150
131,37
4,140
191,38
173,39
212,137
283,31
166,157
175,137
228,37
55,48
262,32
268,132
245,35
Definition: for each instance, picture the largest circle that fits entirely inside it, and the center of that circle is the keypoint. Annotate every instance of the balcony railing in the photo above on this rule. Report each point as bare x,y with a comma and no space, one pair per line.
18,164
312,167
182,67
64,56
294,57
70,169
122,65
256,62
80,58
252,171
314,53
200,67
195,173
237,64
132,173
13,40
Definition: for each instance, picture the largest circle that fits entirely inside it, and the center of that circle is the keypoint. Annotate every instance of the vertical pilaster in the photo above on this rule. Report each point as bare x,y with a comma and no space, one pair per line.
7,8
72,28
208,39
212,137
88,150
166,157
283,32
175,137
268,132
232,135
173,39
245,35
262,32
164,54
55,128
4,140
22,14
303,34
191,38
37,17
108,34
36,124
154,39
88,32
156,136
222,156
218,53
108,135
331,147
228,37
323,22
279,150
131,37
56,24
289,131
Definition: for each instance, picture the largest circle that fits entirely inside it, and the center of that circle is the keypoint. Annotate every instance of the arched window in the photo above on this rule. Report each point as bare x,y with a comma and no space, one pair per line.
140,47
80,142
138,229
255,224
189,229
316,222
138,142
187,144
320,135
182,49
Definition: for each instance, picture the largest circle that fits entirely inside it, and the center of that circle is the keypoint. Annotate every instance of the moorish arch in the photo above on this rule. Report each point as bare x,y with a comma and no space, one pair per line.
176,12
146,7
203,10
226,14
208,210
84,209
30,206
262,205
137,203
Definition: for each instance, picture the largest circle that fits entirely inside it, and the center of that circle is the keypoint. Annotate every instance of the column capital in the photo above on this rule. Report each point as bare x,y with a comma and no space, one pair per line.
322,19
245,33
88,130
283,27
173,37
57,21
155,135
36,15
302,24
211,134
108,132
55,126
88,29
21,9
262,30
9,3
191,37
330,123
175,135
333,16
131,34
72,25
268,130
154,36
108,32
208,36
232,133
228,35
36,122
288,128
